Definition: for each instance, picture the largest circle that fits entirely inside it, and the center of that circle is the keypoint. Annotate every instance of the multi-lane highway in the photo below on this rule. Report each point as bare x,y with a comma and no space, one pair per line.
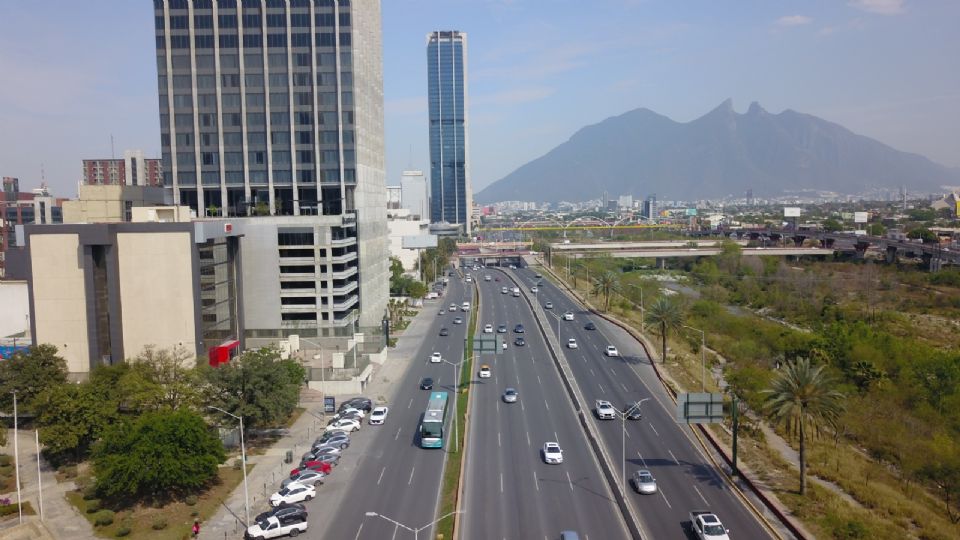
394,476
686,479
509,492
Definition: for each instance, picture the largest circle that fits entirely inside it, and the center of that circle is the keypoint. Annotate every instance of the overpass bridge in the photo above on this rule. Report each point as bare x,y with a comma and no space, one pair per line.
662,250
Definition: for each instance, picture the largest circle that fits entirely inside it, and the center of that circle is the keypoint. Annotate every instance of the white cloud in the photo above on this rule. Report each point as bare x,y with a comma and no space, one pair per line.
882,7
794,20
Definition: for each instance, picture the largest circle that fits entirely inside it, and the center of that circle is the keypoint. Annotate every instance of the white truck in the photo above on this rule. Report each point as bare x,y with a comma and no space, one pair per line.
516,291
272,528
706,526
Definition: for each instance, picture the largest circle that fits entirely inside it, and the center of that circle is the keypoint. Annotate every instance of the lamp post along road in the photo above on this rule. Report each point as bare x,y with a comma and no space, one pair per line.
414,530
16,456
243,461
456,398
623,439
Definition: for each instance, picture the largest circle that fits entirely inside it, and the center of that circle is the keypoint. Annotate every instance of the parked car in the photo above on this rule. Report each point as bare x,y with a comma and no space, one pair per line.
334,438
605,410
348,412
611,351
308,476
519,342
510,395
378,415
444,331
590,326
362,403
643,482
315,453
318,465
436,358
568,316
344,424
484,371
286,513
272,528
572,343
293,493
552,454
426,383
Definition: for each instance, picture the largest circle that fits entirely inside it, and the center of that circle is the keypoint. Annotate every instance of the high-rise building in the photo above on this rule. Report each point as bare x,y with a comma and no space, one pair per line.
451,195
413,193
132,170
275,107
650,210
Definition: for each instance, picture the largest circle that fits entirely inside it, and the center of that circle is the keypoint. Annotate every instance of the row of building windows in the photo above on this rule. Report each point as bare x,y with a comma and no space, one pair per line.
230,41
188,177
276,61
246,4
277,118
258,157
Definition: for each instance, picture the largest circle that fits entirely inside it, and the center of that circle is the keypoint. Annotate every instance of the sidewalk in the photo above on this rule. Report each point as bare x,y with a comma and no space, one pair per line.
266,471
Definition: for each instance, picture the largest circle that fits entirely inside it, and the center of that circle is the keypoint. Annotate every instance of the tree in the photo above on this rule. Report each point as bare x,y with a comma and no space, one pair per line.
167,377
832,225
925,235
257,385
71,418
606,283
159,454
876,229
667,316
803,395
30,373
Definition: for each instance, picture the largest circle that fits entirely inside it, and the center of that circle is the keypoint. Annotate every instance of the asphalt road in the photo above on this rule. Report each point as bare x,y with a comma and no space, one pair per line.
394,476
509,492
686,479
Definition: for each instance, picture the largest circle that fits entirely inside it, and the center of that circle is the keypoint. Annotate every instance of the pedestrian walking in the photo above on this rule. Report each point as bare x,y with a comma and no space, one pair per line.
196,528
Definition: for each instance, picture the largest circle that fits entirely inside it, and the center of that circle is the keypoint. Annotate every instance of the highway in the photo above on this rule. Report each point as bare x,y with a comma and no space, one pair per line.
394,476
686,479
509,492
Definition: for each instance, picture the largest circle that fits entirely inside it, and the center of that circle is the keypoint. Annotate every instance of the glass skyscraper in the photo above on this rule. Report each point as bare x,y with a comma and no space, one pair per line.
451,196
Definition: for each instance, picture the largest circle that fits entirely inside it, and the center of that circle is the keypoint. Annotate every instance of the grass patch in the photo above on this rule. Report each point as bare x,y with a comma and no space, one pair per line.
140,521
9,511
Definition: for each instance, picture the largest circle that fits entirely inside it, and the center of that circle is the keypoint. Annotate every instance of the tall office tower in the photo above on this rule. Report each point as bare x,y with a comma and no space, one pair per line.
650,210
275,107
451,195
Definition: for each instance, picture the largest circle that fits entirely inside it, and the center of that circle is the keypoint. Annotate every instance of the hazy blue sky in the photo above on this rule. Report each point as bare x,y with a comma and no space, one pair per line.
75,72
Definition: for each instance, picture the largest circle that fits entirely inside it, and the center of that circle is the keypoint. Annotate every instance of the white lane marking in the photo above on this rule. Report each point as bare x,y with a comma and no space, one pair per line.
675,460
702,498
555,438
625,389
522,408
501,482
410,481
539,381
498,438
381,475
664,498
654,430
358,532
627,433
592,373
498,406
528,440
639,455
535,481
397,436
601,388
547,404
395,529
569,481
410,404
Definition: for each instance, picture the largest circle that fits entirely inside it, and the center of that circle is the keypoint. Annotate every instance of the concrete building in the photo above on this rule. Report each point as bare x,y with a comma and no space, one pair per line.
20,208
132,170
413,193
650,210
394,197
451,193
112,203
625,201
402,223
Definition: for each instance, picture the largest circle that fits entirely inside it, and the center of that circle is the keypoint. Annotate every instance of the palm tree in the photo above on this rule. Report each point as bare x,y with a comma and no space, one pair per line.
606,283
803,395
666,315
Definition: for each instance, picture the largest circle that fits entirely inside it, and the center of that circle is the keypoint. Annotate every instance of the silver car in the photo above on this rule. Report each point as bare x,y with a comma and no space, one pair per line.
308,476
643,482
510,395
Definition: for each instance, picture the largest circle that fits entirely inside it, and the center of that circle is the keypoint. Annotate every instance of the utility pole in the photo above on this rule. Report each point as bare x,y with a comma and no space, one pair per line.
16,456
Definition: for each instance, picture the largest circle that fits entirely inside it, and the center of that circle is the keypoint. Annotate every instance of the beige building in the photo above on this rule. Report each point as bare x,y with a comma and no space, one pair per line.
112,203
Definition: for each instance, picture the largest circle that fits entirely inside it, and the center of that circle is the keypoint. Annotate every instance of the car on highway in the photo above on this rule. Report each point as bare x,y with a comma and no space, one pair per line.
457,320
590,326
441,312
533,289
436,358
308,476
468,279
362,403
344,424
611,351
488,329
705,525
272,528
293,493
465,306
548,305
426,383
552,454
518,329
453,308
378,415
323,465
487,277
285,513
568,316
510,395
569,535
502,329
643,482
444,331
484,371
519,342
504,290
632,410
605,410
572,343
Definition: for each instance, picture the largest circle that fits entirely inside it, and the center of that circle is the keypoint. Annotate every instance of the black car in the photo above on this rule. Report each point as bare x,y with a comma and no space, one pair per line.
590,326
519,342
426,383
444,331
362,403
633,410
502,329
286,513
518,329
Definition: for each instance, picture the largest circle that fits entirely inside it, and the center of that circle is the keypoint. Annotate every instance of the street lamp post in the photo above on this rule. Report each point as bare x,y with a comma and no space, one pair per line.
414,530
623,439
243,461
323,379
456,398
703,358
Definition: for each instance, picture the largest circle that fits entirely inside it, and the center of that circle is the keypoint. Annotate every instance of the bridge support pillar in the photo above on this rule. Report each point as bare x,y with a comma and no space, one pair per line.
661,262
798,240
861,248
891,255
932,262
827,243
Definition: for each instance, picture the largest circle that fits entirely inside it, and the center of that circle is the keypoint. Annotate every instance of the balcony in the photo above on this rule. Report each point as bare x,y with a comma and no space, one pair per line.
345,258
344,242
297,260
349,287
346,304
344,274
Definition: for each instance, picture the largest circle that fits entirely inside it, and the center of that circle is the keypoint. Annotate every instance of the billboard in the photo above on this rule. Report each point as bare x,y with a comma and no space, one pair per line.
958,207
693,211
420,241
789,211
860,217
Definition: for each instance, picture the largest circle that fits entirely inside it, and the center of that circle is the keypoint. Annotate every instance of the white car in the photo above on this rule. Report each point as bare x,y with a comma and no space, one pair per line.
605,410
552,454
351,411
344,424
453,307
468,279
548,305
484,372
378,415
435,358
611,351
571,343
486,277
568,316
644,482
533,289
272,528
465,306
504,290
488,329
293,493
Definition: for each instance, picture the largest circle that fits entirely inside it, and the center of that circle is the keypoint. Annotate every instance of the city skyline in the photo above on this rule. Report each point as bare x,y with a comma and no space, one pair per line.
881,69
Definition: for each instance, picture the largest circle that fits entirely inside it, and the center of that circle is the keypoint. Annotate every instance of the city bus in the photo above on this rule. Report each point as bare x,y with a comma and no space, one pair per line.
431,428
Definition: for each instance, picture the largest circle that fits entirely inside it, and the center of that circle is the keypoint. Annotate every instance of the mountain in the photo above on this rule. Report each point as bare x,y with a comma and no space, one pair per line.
721,153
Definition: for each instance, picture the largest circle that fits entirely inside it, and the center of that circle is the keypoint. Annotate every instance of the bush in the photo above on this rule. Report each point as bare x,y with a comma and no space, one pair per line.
7,509
190,500
89,493
122,531
194,513
237,464
5,460
93,506
70,471
103,518
159,524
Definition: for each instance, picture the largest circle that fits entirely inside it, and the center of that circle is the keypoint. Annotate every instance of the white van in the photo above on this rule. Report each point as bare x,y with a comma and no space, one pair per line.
465,306
516,291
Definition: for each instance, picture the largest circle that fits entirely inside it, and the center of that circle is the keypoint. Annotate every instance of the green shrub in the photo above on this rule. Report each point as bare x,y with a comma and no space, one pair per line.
237,464
159,524
190,500
122,531
93,506
70,471
103,518
5,460
7,509
194,513
89,493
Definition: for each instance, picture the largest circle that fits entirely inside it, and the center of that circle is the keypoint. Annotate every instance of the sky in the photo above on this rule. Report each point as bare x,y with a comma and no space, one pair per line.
73,74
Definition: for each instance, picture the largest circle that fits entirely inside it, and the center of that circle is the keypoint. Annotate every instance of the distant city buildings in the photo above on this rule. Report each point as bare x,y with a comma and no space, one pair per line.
20,208
451,196
413,193
132,170
394,196
650,210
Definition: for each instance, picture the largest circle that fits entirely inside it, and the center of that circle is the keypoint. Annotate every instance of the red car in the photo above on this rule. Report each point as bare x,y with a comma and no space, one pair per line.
321,466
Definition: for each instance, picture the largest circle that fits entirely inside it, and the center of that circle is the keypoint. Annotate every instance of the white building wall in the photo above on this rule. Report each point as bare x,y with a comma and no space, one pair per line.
15,315
398,229
413,193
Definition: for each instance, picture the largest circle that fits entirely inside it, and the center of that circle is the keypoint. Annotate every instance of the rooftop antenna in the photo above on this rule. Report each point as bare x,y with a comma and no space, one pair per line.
410,159
113,154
